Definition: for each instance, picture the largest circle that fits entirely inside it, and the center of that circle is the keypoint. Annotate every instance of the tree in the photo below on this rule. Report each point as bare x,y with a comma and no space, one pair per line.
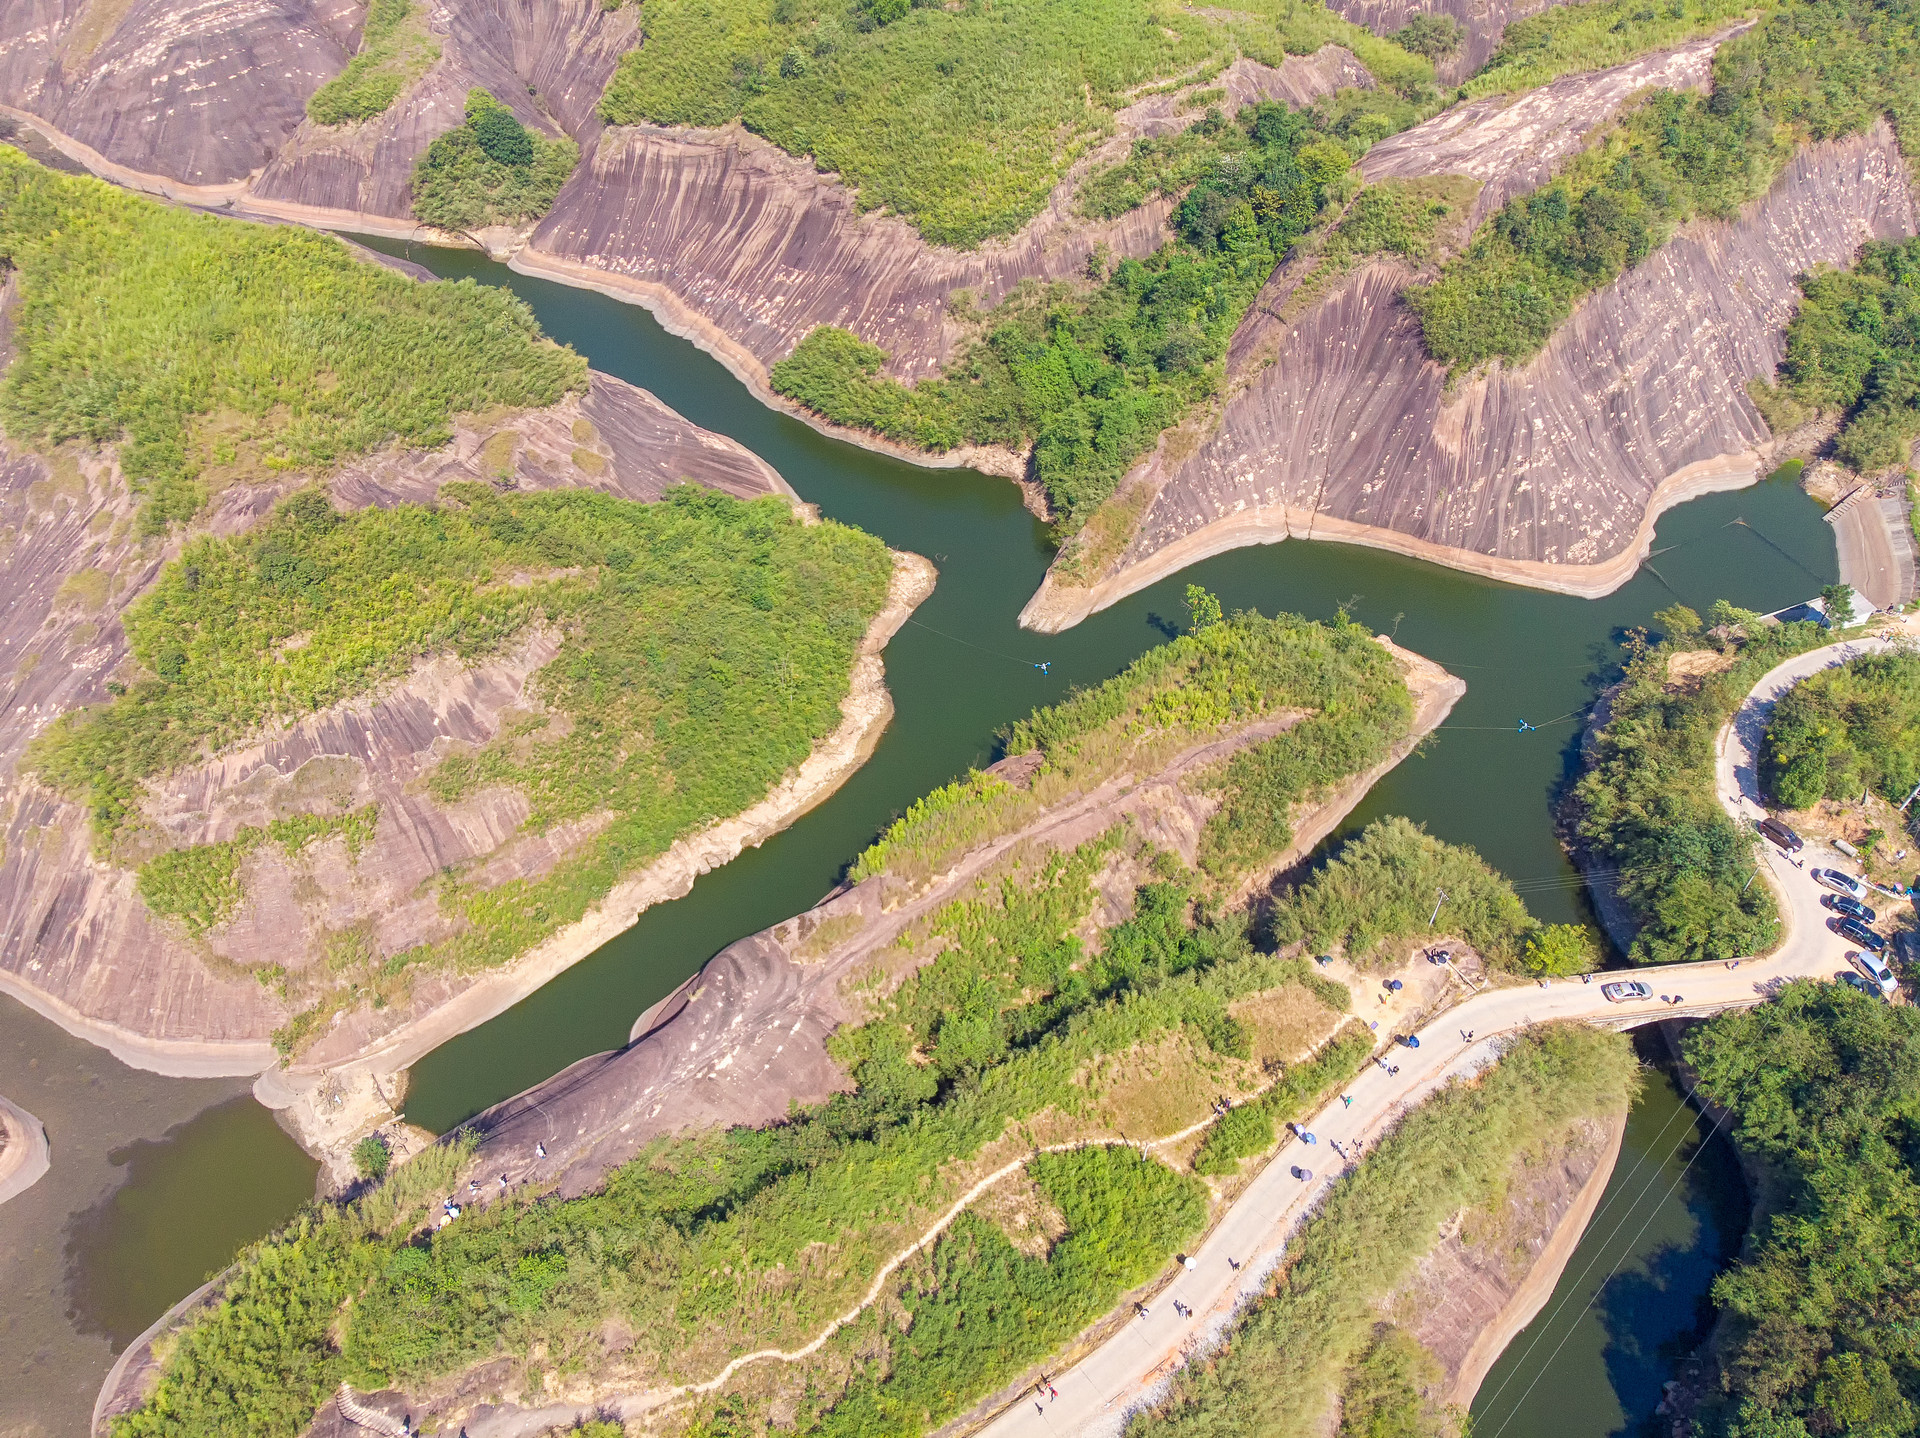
1679,623
1434,36
1204,609
372,1158
1556,950
1838,599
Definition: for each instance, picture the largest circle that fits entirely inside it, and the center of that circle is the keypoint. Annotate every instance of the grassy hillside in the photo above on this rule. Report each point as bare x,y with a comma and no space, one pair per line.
708,644
1566,39
1851,351
395,50
1172,698
215,350
1811,70
961,118
1315,1335
1824,1084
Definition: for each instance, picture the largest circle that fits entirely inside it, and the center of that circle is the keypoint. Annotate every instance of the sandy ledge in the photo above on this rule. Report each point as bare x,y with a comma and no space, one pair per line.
865,713
1055,607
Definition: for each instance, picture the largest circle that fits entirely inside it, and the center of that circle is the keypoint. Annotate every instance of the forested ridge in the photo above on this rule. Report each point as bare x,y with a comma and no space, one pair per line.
215,350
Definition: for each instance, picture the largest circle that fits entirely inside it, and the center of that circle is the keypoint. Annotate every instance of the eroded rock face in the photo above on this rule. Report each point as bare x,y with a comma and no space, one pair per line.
72,927
547,60
1485,22
200,91
751,248
1550,473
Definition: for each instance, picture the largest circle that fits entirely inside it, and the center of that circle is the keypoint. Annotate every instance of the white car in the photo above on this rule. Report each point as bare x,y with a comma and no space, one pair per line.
1840,883
1875,968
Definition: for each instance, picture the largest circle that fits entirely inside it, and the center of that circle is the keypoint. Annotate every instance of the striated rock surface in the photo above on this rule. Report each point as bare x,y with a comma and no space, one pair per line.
1513,146
1485,22
200,91
746,249
75,939
1550,474
547,60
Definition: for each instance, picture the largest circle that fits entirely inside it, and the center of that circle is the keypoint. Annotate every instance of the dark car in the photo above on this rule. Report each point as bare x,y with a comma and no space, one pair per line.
1863,936
1854,981
1852,908
1780,834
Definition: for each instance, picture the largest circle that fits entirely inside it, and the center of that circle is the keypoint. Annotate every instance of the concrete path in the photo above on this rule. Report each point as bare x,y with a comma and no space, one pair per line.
1232,1264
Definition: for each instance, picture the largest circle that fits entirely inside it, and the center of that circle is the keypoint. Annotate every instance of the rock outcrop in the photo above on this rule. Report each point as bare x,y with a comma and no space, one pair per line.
1550,474
1484,21
75,940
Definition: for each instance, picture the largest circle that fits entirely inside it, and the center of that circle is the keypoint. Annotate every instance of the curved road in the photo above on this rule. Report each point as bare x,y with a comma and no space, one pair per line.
1232,1264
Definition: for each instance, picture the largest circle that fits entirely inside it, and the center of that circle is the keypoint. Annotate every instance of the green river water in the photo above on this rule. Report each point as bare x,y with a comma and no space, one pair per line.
141,1232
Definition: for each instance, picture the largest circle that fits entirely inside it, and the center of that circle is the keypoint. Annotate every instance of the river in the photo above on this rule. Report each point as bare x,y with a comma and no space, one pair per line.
959,672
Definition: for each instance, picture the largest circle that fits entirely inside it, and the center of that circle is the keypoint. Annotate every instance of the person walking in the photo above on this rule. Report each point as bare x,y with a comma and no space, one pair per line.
1347,1099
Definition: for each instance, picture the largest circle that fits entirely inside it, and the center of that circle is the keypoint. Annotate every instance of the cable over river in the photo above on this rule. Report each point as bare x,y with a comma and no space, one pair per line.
958,673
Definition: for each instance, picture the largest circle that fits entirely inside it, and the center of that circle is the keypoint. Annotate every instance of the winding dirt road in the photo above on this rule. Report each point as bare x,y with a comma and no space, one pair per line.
1233,1263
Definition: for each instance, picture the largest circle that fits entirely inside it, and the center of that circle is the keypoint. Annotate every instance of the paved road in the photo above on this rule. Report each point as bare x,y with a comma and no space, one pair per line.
1233,1262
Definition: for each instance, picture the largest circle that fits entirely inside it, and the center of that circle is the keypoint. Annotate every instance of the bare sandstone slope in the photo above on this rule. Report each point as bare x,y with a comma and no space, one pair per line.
745,249
75,940
1484,20
745,1038
200,91
548,60
1551,474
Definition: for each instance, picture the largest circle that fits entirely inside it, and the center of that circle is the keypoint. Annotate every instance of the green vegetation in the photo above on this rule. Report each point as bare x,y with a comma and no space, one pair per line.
213,350
981,1310
1845,730
1647,807
372,1158
1853,349
200,885
1600,33
1090,376
961,118
1561,950
1383,886
1811,70
1170,699
1289,1355
1389,1391
1817,1334
395,50
490,171
1249,1128
1434,36
708,644
718,1243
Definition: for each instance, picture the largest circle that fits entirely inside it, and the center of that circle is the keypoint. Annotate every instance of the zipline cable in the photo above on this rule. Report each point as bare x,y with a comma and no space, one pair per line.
1044,666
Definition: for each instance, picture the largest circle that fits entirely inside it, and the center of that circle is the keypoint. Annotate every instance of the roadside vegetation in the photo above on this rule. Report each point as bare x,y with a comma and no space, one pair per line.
1811,70
1853,350
1845,730
1226,674
1567,39
960,118
492,170
717,1243
1823,1083
1315,1334
1646,811
707,648
395,50
215,351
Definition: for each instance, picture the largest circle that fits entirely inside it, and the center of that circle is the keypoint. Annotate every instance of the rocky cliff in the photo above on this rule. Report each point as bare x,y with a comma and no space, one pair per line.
1549,474
75,939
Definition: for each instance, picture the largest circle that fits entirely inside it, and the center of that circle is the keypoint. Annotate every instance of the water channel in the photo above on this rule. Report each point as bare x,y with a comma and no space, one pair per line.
957,674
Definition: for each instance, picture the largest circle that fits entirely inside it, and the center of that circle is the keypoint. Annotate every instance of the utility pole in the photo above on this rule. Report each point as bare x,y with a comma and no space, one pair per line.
1435,918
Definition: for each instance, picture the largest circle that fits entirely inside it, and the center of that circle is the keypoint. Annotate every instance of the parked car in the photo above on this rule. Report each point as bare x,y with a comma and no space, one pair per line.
1780,834
1626,989
1854,981
1839,882
1875,968
1860,934
1852,908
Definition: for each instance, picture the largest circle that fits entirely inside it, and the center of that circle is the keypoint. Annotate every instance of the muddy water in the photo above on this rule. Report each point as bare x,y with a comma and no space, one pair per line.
1634,1298
155,1183
123,1227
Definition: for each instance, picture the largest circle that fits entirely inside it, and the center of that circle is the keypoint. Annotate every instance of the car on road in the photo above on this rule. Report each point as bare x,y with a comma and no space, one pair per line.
1839,882
1780,834
1626,989
1852,908
1876,970
1860,934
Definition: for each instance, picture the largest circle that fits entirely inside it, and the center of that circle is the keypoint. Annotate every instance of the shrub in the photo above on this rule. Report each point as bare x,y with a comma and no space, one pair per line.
1845,730
490,171
1431,35
1558,950
371,1157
